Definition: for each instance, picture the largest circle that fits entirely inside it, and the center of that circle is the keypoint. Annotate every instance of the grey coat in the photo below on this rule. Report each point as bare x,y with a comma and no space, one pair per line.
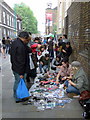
81,81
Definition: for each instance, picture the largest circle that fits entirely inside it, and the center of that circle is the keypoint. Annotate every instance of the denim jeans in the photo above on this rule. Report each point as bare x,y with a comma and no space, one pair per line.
71,89
17,80
45,67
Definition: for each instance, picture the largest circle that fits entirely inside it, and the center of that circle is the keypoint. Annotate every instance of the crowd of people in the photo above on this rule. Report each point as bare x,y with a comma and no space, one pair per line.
30,57
6,44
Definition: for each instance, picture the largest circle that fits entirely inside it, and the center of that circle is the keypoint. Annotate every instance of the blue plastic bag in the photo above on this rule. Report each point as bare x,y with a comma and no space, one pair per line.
22,91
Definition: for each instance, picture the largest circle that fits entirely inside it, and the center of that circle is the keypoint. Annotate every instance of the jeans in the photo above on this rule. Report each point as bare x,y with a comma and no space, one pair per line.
45,67
71,89
17,80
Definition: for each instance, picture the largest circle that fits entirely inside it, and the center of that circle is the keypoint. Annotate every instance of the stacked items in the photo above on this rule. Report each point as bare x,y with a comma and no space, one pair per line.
45,94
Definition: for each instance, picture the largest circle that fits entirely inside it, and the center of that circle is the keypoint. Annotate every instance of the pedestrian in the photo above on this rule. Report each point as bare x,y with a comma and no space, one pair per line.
19,55
59,46
3,47
50,48
64,40
7,41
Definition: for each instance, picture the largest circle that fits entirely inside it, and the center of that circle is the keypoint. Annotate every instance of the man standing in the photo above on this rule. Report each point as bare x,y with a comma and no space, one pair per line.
19,54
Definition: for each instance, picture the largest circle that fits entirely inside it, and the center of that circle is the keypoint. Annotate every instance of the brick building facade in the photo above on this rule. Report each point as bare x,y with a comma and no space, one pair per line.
78,30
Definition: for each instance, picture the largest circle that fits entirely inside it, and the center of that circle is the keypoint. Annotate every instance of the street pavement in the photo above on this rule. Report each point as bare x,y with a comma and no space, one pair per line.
10,109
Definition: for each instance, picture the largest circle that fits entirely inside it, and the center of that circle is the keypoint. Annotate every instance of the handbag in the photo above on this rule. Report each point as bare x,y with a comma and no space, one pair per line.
85,95
22,91
31,62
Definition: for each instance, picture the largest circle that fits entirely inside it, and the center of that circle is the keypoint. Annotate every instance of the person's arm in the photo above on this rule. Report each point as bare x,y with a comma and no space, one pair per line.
52,65
79,83
29,49
58,75
72,83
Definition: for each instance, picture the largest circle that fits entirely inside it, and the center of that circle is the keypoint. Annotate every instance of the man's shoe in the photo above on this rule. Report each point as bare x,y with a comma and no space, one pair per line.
18,101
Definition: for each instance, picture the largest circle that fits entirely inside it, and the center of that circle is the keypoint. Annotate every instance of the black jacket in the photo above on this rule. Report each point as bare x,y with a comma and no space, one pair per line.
68,51
19,53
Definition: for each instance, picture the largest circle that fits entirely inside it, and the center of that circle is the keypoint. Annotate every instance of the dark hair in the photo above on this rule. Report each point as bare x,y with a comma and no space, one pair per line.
3,38
58,56
8,37
65,36
30,33
68,43
41,47
65,60
36,38
46,55
45,47
23,34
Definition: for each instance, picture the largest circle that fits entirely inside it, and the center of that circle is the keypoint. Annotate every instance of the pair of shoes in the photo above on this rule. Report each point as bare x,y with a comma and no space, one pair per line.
18,101
77,96
70,95
22,100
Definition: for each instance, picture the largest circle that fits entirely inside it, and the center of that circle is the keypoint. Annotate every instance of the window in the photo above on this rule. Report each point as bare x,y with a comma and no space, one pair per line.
7,19
10,21
4,17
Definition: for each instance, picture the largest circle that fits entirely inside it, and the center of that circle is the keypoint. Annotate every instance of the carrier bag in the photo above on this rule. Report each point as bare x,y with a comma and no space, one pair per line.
22,91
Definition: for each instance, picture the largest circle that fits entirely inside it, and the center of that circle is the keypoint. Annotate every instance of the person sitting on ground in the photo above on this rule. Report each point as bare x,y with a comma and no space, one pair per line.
44,63
79,82
65,70
56,63
40,54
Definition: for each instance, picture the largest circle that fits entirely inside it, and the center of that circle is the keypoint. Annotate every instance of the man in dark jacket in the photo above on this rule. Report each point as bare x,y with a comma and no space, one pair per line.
19,54
67,50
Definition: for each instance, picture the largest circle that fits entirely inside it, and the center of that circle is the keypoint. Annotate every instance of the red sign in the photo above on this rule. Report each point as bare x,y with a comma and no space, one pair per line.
49,16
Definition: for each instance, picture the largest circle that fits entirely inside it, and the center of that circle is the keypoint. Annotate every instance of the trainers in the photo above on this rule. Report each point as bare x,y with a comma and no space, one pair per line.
70,95
77,96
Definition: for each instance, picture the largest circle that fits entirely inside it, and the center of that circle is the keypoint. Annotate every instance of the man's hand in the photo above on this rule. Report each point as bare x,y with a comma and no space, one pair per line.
41,62
63,51
21,76
64,78
58,66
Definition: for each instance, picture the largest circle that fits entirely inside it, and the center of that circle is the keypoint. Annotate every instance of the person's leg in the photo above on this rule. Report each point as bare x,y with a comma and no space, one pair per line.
52,53
72,89
45,67
40,67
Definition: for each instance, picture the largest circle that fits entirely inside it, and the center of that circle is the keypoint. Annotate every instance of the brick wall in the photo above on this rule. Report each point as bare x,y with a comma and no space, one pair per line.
79,33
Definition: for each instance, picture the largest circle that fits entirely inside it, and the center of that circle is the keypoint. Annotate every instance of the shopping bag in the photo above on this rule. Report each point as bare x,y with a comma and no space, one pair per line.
31,62
22,91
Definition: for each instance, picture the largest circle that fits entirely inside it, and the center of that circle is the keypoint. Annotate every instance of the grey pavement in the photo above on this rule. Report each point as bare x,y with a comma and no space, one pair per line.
10,109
